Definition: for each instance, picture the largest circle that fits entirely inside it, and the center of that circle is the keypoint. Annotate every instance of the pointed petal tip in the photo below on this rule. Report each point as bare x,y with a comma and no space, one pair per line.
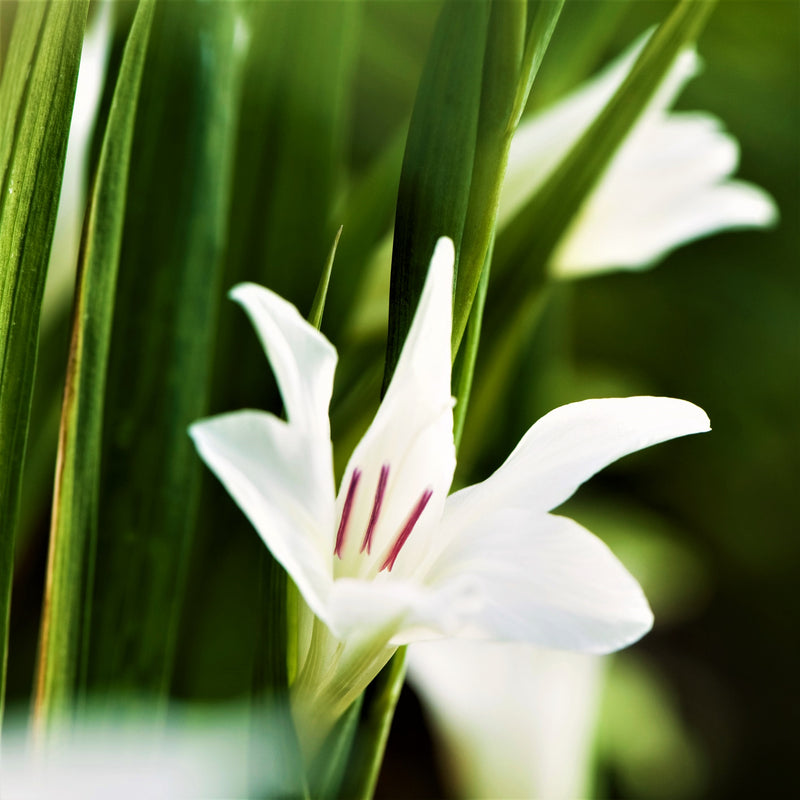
203,431
241,291
636,627
669,417
444,251
695,418
197,430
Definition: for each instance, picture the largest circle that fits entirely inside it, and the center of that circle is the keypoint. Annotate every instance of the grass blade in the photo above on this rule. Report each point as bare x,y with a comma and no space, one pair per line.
163,344
74,521
434,192
511,62
36,96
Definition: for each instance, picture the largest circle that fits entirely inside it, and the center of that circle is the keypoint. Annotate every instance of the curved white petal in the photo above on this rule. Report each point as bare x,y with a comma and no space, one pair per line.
263,463
667,185
569,445
303,360
514,720
411,437
543,579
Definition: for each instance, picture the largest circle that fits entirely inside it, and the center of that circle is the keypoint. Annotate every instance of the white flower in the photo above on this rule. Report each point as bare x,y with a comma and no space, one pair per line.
668,183
391,558
193,754
532,742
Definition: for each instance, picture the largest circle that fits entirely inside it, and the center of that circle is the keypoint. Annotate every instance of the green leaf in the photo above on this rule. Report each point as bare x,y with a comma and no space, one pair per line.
366,217
36,95
291,142
466,367
170,287
289,150
434,192
318,306
511,63
65,615
373,733
328,768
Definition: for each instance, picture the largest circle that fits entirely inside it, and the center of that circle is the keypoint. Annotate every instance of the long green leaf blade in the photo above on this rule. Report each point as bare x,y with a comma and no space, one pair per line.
36,96
74,520
163,344
511,63
433,197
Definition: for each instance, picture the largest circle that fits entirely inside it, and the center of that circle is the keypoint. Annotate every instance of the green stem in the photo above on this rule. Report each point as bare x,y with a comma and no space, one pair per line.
381,701
471,350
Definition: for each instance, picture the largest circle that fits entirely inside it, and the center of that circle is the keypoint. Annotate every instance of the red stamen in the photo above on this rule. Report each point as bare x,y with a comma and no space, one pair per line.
376,509
406,532
348,504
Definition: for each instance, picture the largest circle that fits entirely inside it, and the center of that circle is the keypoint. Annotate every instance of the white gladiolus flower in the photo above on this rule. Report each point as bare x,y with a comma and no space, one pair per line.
668,183
391,559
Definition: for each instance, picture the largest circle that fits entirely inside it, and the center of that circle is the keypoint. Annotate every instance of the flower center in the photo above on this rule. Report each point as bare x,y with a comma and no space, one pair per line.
377,504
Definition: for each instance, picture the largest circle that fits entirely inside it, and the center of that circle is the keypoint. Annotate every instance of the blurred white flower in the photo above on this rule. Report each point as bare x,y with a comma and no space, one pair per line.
392,559
668,183
197,754
512,720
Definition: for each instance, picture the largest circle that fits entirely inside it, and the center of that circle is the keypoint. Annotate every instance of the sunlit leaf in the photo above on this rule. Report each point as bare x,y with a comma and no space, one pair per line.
65,616
36,96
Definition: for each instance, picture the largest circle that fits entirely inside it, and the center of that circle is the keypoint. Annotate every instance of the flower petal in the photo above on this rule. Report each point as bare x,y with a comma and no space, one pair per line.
569,445
303,361
667,185
263,463
411,438
545,580
408,610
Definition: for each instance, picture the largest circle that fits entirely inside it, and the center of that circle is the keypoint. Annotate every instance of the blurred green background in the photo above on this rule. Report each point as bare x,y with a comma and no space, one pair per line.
711,520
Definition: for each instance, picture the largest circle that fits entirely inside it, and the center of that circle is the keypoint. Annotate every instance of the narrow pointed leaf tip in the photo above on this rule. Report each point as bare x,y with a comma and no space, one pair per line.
392,559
